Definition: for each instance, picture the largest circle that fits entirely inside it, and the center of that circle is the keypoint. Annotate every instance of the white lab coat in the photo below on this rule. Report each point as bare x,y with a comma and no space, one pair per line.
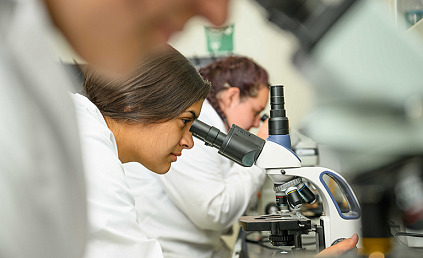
42,190
113,221
202,195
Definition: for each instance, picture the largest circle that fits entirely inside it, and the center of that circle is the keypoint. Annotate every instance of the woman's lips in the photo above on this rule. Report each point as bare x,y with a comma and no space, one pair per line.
175,156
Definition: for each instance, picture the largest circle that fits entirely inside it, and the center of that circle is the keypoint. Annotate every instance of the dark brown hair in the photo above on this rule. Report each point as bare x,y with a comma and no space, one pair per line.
163,87
234,71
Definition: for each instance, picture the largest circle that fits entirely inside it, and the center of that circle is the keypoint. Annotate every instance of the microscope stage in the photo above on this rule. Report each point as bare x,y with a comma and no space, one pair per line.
288,222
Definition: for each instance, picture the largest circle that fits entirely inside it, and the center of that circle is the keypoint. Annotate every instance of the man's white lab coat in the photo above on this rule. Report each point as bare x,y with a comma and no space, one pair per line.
42,191
202,195
113,221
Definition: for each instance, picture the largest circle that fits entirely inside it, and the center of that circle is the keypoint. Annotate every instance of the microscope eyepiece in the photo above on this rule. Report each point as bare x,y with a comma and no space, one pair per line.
209,134
264,117
239,145
278,122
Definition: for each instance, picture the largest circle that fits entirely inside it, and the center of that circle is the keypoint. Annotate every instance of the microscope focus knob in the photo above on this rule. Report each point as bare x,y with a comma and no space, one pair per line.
338,241
351,252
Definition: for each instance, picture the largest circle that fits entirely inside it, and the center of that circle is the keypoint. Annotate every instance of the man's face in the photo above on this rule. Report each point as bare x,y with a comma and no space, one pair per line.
113,35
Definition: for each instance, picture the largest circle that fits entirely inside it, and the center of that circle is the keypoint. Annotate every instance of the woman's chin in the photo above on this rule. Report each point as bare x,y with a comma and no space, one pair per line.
163,169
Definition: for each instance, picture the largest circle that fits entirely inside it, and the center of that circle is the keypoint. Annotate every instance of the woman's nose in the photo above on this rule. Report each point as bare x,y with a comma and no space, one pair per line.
187,142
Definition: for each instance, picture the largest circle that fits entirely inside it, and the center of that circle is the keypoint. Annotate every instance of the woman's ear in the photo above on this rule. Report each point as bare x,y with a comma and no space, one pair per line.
228,97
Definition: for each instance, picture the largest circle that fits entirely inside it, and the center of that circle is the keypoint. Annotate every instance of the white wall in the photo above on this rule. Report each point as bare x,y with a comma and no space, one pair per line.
265,43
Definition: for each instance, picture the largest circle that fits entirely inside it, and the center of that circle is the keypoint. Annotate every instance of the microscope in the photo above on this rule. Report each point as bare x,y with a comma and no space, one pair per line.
291,182
366,76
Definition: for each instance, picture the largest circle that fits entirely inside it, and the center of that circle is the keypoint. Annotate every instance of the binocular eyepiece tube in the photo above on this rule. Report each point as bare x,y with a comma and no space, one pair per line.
238,145
209,134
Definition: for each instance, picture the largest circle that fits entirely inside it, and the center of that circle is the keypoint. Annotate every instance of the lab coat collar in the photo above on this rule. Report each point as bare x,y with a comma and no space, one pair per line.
208,113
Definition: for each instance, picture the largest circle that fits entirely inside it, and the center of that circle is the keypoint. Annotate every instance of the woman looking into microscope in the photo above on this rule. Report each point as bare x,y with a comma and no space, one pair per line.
144,119
205,193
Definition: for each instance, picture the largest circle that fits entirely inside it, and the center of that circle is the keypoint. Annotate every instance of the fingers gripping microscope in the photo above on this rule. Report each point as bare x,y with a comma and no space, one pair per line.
283,166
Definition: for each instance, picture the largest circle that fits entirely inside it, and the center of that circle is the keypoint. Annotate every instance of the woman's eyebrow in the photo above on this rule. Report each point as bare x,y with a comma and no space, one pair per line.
194,116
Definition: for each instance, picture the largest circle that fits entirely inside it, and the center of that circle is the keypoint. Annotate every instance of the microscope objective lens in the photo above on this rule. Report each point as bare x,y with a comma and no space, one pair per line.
306,194
294,197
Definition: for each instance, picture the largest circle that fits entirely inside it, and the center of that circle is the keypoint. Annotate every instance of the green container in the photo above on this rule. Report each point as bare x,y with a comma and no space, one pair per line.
220,39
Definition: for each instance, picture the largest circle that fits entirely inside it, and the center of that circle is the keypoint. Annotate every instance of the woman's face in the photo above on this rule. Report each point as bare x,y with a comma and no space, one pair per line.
246,113
156,146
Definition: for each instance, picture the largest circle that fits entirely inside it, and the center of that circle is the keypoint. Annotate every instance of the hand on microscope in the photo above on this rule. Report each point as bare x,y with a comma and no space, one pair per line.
340,248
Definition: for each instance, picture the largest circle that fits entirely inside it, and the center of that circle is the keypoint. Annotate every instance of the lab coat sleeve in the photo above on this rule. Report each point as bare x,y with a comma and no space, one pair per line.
212,196
113,223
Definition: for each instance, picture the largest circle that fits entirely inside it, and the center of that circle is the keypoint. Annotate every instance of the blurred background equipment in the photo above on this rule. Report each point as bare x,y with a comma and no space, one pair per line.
410,11
369,107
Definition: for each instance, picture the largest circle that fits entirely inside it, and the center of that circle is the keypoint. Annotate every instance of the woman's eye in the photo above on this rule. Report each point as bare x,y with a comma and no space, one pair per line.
186,121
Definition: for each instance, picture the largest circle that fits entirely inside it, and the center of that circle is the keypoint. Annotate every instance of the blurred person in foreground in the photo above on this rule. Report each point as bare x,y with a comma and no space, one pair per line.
42,189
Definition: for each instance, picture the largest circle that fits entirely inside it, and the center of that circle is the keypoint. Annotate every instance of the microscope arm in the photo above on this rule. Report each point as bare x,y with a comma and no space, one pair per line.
336,224
281,165
274,155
